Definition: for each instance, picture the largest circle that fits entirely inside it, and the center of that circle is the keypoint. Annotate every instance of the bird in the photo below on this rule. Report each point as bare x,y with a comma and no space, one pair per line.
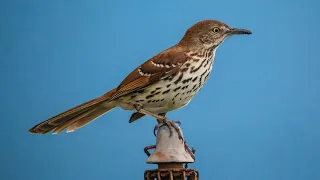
166,82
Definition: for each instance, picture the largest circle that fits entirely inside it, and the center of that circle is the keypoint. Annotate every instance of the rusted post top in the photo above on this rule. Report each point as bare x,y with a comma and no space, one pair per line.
170,154
169,149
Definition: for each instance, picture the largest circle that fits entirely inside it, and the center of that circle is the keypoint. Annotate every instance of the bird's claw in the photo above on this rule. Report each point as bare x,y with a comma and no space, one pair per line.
190,151
170,124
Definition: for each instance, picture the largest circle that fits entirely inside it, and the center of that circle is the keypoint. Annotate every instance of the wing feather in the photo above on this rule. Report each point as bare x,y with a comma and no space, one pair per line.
160,66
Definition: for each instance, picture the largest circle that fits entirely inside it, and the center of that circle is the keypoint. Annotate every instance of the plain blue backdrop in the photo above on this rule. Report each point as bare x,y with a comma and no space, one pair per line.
257,117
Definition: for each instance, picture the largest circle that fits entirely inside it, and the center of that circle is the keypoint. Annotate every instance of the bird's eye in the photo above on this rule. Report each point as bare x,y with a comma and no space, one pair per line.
215,29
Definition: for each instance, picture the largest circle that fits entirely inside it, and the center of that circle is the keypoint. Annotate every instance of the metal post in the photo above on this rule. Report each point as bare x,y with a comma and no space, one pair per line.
170,155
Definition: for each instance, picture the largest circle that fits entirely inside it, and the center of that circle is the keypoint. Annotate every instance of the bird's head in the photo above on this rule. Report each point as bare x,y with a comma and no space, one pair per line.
210,34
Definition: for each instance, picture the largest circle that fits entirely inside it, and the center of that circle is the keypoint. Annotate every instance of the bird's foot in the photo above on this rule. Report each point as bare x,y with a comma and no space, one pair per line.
161,119
170,124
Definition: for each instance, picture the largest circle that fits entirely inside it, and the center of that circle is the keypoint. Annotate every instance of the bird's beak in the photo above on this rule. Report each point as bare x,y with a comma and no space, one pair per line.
234,31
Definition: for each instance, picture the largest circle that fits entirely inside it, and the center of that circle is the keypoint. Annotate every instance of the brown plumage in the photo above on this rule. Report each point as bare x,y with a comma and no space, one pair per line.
166,82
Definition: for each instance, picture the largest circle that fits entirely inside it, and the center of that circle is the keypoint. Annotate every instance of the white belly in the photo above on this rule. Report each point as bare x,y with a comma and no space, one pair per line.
189,86
168,95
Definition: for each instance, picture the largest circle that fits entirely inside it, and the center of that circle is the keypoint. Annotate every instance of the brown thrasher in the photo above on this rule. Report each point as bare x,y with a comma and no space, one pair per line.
164,83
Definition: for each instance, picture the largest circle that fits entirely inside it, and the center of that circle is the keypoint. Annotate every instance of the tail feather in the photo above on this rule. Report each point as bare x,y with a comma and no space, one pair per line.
89,118
60,127
76,117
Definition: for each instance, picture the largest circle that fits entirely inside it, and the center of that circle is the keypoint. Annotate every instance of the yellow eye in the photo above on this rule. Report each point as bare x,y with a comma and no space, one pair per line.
215,29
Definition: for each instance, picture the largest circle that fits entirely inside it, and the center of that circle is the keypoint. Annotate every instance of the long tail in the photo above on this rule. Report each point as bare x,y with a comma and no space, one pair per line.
76,117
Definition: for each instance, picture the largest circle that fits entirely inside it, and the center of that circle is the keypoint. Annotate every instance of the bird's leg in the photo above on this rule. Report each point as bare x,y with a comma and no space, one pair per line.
140,109
160,118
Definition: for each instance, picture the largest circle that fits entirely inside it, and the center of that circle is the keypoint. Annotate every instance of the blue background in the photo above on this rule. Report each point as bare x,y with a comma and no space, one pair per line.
257,117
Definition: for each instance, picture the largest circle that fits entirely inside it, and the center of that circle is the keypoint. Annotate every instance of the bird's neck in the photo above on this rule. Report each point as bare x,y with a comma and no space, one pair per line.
196,46
196,49
200,50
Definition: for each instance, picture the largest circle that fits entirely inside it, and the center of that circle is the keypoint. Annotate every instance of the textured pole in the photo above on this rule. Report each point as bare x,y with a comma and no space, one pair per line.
170,154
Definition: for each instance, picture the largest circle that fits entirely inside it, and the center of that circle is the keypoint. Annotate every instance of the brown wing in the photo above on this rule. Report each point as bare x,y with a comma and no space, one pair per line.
160,66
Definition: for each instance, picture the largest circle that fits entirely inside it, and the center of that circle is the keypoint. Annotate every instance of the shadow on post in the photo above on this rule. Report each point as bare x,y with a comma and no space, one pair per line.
170,154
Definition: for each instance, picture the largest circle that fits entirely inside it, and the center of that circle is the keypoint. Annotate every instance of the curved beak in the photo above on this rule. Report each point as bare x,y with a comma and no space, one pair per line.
234,31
